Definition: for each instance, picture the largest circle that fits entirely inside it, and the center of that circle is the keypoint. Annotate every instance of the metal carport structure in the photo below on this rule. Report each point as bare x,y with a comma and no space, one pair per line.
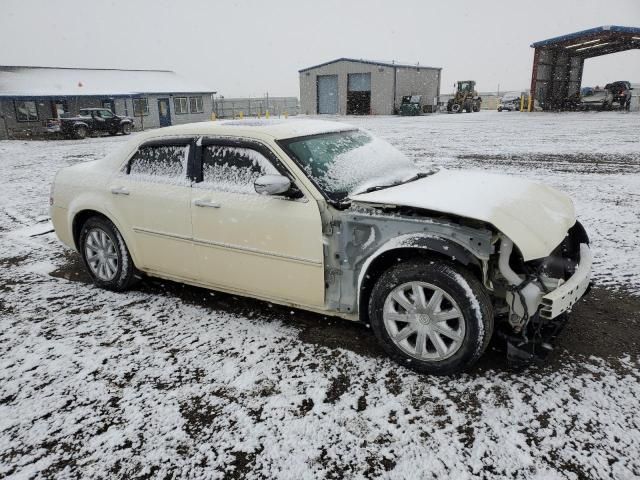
558,62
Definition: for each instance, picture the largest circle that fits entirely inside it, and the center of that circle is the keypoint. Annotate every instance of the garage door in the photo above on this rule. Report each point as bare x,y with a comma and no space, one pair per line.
328,94
359,94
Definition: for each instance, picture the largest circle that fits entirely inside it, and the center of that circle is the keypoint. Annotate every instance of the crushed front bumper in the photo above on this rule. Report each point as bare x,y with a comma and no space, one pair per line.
566,295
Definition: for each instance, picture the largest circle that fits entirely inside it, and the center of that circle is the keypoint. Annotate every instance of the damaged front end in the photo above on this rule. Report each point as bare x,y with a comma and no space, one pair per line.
536,295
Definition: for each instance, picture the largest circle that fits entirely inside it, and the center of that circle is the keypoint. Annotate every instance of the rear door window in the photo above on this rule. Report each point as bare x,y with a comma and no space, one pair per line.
233,169
160,163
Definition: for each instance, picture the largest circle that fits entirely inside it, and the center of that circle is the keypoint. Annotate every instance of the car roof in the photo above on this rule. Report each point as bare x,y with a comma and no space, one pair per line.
275,128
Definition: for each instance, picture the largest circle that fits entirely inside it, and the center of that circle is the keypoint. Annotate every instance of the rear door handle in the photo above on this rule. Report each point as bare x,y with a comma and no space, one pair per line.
206,203
119,191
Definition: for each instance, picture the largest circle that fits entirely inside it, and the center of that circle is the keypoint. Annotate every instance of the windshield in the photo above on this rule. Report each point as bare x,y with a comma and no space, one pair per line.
346,163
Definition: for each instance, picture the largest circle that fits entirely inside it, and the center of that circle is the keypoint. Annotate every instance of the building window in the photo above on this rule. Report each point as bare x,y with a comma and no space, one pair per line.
180,105
26,111
140,107
195,103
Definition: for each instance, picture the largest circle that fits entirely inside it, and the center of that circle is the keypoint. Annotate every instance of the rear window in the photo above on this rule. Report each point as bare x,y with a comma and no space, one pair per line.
160,163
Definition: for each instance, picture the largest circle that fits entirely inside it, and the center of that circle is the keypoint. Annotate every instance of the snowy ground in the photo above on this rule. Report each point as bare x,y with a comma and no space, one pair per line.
169,381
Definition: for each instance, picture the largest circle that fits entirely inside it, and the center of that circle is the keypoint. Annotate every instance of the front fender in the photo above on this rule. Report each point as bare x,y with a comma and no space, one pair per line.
419,241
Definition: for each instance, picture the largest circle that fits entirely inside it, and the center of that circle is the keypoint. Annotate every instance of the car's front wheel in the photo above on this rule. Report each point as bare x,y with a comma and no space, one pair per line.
105,254
80,132
434,317
126,129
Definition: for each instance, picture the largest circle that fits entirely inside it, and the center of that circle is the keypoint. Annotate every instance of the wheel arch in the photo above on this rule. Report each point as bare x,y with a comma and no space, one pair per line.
80,217
422,248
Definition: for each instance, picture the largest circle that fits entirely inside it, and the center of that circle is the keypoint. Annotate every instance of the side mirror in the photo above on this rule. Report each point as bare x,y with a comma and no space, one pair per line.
272,184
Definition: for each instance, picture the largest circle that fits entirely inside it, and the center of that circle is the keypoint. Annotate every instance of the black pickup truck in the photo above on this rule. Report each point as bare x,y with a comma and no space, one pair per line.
88,121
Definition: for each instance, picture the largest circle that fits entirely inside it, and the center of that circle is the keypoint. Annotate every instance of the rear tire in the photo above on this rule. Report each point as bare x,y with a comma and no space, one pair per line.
105,255
443,330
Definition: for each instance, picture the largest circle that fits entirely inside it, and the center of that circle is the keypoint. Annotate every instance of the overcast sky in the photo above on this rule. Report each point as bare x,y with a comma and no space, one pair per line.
246,48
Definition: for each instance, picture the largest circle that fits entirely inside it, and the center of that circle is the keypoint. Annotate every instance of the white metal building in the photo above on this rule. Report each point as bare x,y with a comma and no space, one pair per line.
349,86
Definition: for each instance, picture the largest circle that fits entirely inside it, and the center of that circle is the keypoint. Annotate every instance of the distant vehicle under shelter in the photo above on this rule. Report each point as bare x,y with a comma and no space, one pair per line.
32,96
558,62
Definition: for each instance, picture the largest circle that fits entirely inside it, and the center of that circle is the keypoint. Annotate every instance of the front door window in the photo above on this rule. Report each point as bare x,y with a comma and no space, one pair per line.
233,169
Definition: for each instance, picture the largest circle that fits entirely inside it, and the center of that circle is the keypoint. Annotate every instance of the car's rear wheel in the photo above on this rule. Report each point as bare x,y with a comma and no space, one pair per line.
80,132
434,317
105,255
126,129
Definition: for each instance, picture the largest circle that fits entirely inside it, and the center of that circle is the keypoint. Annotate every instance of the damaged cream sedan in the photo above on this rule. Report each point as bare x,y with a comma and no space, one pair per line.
325,217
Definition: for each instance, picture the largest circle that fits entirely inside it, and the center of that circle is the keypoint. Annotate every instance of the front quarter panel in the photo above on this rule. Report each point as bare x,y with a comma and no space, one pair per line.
356,239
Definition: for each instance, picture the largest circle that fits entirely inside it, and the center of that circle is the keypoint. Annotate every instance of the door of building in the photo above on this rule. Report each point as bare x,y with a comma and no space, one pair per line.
163,112
328,94
359,94
110,104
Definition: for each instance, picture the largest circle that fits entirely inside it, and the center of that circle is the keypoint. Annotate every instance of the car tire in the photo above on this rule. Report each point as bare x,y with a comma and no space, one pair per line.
499,109
449,345
126,129
80,133
105,255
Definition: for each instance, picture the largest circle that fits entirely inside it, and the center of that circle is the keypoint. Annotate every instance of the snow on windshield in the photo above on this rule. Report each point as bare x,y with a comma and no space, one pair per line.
346,163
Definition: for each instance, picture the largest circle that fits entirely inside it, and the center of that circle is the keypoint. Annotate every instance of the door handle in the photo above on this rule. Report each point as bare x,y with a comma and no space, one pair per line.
119,191
206,203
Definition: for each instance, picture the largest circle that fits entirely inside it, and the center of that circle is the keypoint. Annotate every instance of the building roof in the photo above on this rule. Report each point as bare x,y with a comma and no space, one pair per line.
16,81
390,63
576,36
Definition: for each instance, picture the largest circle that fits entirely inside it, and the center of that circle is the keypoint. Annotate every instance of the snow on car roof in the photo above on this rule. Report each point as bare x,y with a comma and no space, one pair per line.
275,128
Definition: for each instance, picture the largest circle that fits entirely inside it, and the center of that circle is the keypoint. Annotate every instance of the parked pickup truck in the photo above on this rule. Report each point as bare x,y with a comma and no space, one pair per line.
90,120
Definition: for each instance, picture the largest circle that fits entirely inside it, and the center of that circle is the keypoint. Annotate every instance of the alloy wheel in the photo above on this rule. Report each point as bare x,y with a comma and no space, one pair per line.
101,254
424,321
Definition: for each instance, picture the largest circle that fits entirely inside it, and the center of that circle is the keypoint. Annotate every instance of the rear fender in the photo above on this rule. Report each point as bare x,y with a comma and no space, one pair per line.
94,201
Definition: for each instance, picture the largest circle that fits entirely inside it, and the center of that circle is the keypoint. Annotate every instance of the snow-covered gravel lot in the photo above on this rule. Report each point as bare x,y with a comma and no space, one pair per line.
168,381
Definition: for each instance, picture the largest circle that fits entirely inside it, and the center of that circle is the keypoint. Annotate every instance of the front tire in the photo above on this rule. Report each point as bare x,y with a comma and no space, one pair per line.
80,133
433,317
126,129
105,255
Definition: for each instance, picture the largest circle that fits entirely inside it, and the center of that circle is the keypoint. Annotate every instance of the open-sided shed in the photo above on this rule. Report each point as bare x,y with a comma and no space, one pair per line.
558,62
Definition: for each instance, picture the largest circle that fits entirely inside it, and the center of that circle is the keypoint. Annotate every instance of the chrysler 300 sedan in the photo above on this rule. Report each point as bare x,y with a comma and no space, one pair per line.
325,217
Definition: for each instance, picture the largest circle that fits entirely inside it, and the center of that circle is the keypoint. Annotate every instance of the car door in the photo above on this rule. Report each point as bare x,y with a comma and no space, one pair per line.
97,122
109,120
152,196
264,246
